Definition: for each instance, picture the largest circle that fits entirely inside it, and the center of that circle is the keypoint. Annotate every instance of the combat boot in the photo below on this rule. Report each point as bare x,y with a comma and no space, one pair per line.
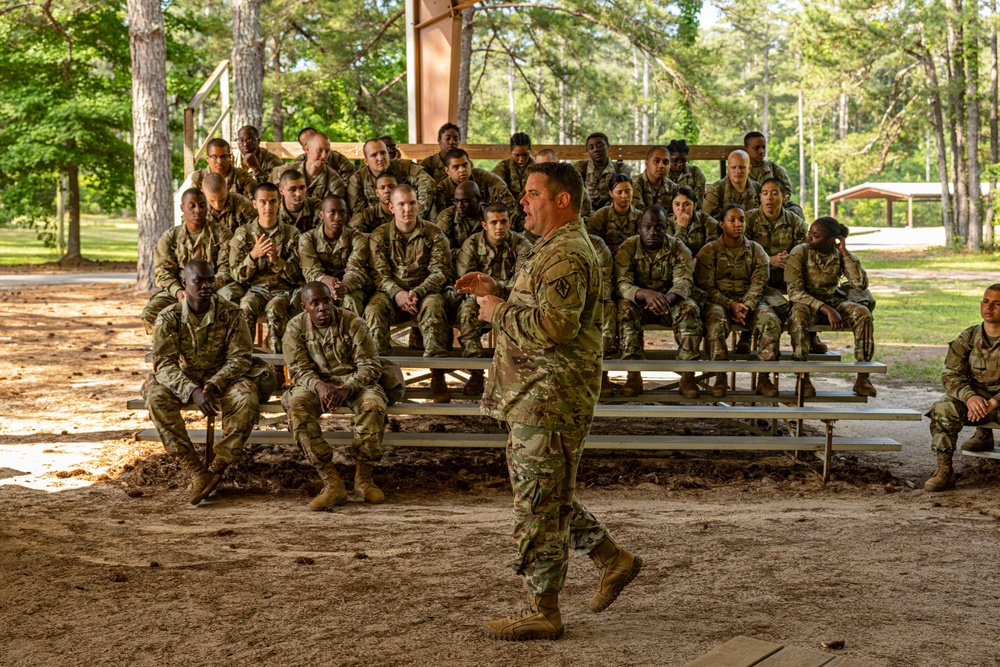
200,478
607,387
364,484
863,386
474,387
211,480
273,342
981,441
688,387
633,384
415,341
618,568
719,386
334,492
944,475
816,346
439,387
765,387
743,344
808,390
539,619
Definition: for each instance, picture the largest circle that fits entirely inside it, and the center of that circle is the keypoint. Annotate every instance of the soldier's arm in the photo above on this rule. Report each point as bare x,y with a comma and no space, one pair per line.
561,293
683,271
357,222
291,269
854,272
167,270
443,222
167,355
301,369
245,212
624,273
799,233
710,203
607,262
355,193
239,351
424,185
700,184
501,170
241,265
222,276
356,272
957,376
466,260
597,223
245,182
498,190
439,267
783,176
795,278
312,268
704,276
366,359
637,191
759,277
379,250
336,185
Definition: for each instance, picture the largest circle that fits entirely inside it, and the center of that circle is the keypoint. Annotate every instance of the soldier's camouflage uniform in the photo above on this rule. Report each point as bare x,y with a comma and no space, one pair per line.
267,160
271,289
305,219
596,181
544,384
612,226
457,228
421,263
492,189
516,179
767,169
236,212
776,236
190,352
971,368
645,194
361,191
369,219
239,181
693,178
700,231
736,274
813,280
342,353
345,259
498,262
342,165
609,323
669,269
175,248
327,182
434,166
720,194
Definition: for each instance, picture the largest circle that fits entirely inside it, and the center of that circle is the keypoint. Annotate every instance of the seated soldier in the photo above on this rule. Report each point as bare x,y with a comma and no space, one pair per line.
654,274
194,239
464,218
297,209
332,362
220,161
202,355
733,273
618,220
762,169
586,208
336,160
735,188
459,169
653,186
609,325
682,173
321,179
598,170
226,209
390,146
514,172
971,385
253,157
411,263
449,137
264,260
361,189
337,257
813,272
689,225
367,220
495,252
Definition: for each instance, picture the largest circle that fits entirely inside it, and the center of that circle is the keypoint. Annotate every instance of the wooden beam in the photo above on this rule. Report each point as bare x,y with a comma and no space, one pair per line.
737,652
888,211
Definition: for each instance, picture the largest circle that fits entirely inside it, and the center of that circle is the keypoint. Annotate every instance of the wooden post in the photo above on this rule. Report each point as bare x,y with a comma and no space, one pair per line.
909,212
888,211
833,208
433,33
188,141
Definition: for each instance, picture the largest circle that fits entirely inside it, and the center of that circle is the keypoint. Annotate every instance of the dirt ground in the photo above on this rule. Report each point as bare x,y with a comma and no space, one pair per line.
101,561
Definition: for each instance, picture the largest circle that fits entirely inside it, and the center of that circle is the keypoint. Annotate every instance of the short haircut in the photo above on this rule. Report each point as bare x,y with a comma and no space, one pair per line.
548,153
402,187
192,191
248,127
218,142
653,149
314,286
266,187
496,207
752,135
520,139
995,287
678,146
561,177
331,198
364,147
303,131
454,154
618,178
196,264
658,211
215,183
384,175
386,138
598,135
290,175
687,191
777,181
831,226
449,126
727,208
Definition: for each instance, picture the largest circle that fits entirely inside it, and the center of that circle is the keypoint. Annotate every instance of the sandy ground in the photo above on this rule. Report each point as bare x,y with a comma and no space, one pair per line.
101,561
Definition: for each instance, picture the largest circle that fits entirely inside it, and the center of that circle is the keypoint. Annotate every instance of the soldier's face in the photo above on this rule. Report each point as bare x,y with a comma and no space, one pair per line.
682,205
539,206
404,207
334,216
817,239
652,231
458,169
265,202
319,149
216,199
756,148
305,137
497,226
733,223
656,165
989,307
390,147
384,188
248,141
199,285
621,195
597,149
449,139
465,203
677,162
195,210
738,168
294,193
376,157
319,304
771,199
219,159
520,155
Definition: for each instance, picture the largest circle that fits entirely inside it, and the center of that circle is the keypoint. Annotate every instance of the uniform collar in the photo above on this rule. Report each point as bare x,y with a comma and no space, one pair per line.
206,319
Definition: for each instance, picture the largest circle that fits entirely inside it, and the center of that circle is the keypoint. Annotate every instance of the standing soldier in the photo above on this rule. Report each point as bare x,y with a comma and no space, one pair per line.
971,385
361,190
654,275
459,168
264,257
337,257
332,362
220,161
681,172
226,209
368,219
464,218
449,137
544,384
201,355
256,159
762,169
689,225
735,188
618,220
598,170
321,179
653,186
298,209
733,273
514,172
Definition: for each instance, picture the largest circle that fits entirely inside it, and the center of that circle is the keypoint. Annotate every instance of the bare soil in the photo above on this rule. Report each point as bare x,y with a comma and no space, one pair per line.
102,562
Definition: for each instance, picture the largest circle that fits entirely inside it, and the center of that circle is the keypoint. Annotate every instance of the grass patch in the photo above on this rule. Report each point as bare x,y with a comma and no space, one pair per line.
931,258
101,239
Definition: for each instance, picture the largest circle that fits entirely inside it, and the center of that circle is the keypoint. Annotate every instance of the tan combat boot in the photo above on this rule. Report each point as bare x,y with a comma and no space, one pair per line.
607,387
618,568
981,441
743,344
539,619
816,346
719,386
273,342
439,387
200,478
688,387
474,387
364,484
633,384
765,387
863,386
808,390
415,341
944,475
211,480
334,492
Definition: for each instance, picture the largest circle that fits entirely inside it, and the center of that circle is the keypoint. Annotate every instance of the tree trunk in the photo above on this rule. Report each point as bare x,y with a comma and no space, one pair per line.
510,94
956,116
248,65
937,125
802,156
765,117
971,52
645,98
150,122
635,107
73,237
842,127
277,108
994,139
465,72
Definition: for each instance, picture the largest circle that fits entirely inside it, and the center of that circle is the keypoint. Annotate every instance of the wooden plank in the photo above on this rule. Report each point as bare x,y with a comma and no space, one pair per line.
988,454
793,656
841,661
737,652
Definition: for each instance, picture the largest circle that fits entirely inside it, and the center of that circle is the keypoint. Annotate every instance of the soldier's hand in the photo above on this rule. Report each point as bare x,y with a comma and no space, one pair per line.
330,282
683,219
841,244
180,295
978,407
205,401
778,261
656,302
250,162
262,245
477,284
739,311
487,304
836,321
339,291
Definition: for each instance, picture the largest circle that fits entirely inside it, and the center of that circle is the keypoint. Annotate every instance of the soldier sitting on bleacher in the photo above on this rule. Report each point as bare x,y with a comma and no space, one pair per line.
689,225
370,218
733,273
361,188
225,208
298,209
619,219
202,354
219,156
654,275
337,256
320,178
463,218
458,168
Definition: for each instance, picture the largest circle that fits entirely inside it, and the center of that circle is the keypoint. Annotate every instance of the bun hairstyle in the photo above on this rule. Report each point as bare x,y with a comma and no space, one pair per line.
728,207
618,178
832,228
678,146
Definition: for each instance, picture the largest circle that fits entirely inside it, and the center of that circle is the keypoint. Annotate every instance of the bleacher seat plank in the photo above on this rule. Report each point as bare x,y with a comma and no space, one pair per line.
737,652
794,656
988,454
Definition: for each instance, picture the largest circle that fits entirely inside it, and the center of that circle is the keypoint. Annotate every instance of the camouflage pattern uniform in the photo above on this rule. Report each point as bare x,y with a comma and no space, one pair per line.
812,282
267,160
596,181
305,219
612,226
327,182
971,368
776,236
457,228
720,194
271,289
421,263
692,177
342,353
369,219
491,187
236,212
190,352
516,179
702,230
434,166
176,247
609,324
544,384
361,189
496,261
645,195
669,269
345,259
342,165
239,181
736,274
767,169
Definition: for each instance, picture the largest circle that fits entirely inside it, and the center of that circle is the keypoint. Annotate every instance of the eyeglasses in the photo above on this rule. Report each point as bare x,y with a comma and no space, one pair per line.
226,156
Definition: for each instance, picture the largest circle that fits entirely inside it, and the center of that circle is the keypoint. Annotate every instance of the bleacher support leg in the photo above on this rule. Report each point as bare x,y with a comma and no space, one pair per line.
828,451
